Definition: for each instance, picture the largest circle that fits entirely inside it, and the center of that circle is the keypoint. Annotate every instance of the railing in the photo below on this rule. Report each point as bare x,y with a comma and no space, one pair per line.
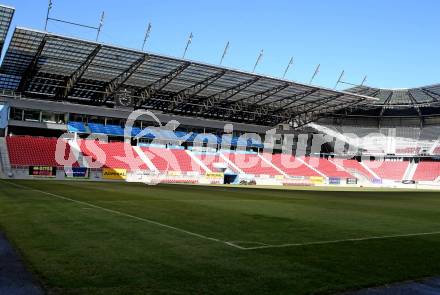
9,92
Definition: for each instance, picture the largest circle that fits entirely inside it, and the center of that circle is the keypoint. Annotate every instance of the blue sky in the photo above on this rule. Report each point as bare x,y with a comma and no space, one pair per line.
394,42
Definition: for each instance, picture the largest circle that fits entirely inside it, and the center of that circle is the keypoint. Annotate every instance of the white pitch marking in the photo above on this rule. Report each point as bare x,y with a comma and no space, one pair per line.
218,240
126,215
343,240
248,242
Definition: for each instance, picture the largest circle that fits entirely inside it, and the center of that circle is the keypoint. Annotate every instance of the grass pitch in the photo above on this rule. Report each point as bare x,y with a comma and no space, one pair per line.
125,238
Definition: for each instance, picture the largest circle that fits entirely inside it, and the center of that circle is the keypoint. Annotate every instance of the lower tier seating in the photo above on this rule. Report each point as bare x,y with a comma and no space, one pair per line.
251,164
172,160
34,151
427,171
291,165
354,167
391,170
211,159
118,155
327,167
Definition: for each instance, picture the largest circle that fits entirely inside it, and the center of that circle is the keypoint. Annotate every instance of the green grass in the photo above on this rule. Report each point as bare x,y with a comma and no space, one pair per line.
74,248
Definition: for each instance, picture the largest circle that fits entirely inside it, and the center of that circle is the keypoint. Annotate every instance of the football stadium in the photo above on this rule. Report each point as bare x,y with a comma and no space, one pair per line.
129,172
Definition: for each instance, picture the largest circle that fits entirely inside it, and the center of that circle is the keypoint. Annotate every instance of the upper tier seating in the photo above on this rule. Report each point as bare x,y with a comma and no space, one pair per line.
252,164
427,171
291,166
76,127
106,129
34,151
408,151
391,170
161,134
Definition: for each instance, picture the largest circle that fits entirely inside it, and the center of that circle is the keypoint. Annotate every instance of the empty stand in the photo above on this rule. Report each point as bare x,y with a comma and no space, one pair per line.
76,127
172,160
354,167
210,159
290,165
427,171
106,129
251,164
392,170
115,153
326,167
34,151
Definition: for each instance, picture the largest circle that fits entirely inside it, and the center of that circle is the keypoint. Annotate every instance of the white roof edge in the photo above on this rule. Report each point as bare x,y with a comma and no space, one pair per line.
397,89
6,6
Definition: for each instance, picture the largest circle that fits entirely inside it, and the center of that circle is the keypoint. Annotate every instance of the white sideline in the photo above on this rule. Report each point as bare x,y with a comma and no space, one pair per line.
124,214
228,243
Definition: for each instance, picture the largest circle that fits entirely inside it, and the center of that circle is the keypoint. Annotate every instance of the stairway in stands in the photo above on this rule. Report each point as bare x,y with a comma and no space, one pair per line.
5,164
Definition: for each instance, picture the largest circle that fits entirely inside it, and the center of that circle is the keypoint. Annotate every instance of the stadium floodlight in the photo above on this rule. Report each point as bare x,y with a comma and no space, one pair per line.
364,80
49,7
48,18
260,56
339,79
315,73
147,35
288,66
101,23
187,44
225,51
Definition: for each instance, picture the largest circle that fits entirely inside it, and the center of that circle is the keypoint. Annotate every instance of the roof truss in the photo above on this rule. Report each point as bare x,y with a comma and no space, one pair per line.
71,81
92,73
149,91
182,97
32,68
214,100
113,86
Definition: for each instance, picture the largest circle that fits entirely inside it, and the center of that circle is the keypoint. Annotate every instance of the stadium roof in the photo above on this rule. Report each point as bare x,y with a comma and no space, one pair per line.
422,96
6,14
45,65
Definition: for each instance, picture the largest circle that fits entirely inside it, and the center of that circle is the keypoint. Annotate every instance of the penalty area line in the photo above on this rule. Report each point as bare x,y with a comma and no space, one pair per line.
116,212
342,240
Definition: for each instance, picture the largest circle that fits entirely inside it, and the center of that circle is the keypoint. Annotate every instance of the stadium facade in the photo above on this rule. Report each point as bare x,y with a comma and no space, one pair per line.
220,125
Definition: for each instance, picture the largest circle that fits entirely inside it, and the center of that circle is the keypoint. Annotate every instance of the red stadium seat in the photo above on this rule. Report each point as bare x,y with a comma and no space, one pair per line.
427,171
291,166
327,167
34,151
116,156
354,167
252,164
391,170
172,160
